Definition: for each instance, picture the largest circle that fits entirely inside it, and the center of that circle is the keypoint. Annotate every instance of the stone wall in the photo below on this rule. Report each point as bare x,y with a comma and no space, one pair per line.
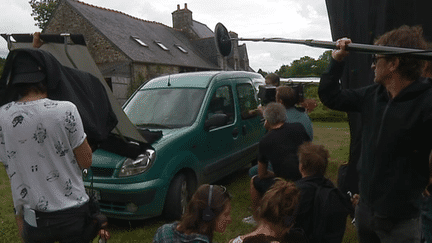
144,72
182,18
120,86
66,20
127,79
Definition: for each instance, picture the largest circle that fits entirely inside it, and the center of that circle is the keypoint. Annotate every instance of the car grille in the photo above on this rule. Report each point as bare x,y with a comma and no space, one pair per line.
102,172
112,206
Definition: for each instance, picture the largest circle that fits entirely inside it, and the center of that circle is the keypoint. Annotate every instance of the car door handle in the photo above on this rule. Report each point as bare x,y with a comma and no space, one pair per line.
235,132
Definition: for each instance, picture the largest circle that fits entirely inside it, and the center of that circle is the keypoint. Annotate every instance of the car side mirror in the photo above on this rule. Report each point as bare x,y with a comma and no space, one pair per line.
216,120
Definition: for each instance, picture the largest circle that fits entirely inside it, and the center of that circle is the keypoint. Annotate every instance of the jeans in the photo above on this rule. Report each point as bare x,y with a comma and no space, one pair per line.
373,228
254,170
58,226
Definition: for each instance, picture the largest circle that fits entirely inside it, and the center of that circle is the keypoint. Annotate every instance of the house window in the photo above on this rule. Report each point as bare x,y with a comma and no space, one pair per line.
162,46
181,49
137,39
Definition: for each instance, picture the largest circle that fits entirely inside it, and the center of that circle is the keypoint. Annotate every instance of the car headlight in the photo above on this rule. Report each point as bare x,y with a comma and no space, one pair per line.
139,165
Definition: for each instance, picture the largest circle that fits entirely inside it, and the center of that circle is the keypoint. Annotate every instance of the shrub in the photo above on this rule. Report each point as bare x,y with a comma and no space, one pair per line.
321,112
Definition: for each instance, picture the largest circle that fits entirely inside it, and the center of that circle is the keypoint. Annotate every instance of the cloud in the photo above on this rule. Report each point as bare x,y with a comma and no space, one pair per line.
293,19
15,17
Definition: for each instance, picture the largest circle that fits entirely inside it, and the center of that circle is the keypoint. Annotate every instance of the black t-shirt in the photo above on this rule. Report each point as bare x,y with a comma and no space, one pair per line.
279,146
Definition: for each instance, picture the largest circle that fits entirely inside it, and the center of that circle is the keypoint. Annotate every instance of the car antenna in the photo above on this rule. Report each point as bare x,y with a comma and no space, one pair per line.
169,80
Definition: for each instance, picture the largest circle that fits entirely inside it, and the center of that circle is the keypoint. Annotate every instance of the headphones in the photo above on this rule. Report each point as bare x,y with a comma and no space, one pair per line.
208,214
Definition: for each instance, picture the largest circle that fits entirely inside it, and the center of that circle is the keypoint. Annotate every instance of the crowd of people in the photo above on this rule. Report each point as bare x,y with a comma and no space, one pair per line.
393,204
291,199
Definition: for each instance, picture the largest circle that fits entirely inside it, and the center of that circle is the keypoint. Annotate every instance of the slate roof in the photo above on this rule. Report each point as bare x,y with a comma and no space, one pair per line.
202,30
208,47
119,28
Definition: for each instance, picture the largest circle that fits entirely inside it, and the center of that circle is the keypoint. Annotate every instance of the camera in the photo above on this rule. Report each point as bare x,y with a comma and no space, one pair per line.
267,93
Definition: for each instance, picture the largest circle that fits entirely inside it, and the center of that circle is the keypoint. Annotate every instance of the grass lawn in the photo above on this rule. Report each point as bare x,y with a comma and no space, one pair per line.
334,136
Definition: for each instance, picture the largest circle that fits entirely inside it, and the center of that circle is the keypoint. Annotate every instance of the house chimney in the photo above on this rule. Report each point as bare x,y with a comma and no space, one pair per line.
182,18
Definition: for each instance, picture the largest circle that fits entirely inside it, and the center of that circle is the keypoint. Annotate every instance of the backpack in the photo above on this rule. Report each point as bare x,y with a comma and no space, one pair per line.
330,211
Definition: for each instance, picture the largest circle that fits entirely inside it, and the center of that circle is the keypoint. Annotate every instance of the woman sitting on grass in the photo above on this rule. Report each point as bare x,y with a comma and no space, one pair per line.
209,210
276,215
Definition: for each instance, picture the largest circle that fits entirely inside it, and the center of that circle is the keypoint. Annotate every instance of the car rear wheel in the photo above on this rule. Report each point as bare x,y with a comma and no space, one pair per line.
177,197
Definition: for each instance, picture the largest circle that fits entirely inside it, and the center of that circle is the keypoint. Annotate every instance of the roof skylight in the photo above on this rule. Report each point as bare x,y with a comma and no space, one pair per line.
162,46
181,48
139,41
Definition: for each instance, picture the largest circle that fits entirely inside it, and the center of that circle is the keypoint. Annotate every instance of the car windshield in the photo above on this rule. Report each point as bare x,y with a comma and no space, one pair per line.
164,108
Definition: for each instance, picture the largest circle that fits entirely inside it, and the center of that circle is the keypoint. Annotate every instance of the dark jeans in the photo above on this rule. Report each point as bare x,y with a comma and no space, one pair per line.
263,185
426,219
254,170
65,226
372,228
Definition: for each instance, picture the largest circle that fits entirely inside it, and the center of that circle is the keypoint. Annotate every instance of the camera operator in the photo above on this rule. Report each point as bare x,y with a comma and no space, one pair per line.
288,97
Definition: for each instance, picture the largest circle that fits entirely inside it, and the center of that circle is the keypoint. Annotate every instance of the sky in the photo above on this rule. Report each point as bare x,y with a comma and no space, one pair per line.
292,19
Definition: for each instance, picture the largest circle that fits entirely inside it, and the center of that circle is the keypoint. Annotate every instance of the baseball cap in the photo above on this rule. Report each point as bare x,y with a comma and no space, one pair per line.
26,70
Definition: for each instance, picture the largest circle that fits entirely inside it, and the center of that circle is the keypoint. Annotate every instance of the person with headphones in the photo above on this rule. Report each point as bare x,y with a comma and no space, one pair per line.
209,210
276,216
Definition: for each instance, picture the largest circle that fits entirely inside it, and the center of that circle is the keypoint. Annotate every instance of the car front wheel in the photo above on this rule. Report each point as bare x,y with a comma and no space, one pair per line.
177,197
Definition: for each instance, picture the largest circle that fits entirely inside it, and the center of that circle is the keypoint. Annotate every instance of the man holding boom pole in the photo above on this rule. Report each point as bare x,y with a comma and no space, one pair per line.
396,114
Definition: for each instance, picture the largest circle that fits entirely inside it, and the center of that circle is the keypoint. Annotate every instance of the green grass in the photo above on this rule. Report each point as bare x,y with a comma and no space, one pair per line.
334,136
8,228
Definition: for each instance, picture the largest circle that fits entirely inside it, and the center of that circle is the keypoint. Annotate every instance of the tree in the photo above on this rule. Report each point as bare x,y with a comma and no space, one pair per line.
42,11
305,66
284,71
322,62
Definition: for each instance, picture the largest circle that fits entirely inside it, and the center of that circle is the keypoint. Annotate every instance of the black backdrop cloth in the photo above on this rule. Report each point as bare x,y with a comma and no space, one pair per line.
363,22
67,84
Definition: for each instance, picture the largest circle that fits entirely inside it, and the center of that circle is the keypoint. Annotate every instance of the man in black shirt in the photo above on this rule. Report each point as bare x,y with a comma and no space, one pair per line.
279,146
396,115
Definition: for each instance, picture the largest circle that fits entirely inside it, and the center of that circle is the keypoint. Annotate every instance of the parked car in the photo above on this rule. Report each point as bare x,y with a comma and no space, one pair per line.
199,129
257,81
187,129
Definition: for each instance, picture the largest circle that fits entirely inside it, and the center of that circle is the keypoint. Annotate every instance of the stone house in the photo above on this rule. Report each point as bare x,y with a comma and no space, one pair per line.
130,51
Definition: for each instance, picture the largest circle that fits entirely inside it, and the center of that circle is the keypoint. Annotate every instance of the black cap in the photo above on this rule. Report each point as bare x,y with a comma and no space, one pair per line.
26,70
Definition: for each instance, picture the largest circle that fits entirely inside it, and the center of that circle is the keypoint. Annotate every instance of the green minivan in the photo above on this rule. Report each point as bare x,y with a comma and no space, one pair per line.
199,127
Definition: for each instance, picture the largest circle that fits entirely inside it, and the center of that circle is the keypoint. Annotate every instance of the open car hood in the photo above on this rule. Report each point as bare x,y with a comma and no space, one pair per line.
75,54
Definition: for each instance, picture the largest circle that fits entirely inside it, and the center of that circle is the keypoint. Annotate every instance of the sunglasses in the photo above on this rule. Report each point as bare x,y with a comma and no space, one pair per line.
375,59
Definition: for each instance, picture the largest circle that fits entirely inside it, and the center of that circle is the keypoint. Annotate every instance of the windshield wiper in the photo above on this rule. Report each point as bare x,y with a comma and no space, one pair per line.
143,125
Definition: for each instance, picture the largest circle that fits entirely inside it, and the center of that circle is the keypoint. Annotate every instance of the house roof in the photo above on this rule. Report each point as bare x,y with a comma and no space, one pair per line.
202,30
208,47
123,31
